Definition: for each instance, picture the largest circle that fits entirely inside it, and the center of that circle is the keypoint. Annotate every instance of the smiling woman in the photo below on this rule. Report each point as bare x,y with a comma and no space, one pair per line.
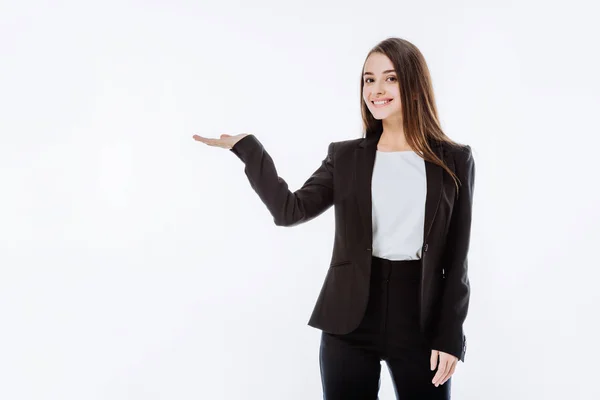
396,287
380,97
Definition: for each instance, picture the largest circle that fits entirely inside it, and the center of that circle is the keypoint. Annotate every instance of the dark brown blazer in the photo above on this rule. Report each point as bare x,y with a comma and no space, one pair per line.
344,181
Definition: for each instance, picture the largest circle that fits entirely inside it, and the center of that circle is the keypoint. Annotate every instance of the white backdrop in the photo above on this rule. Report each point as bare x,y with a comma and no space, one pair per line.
137,263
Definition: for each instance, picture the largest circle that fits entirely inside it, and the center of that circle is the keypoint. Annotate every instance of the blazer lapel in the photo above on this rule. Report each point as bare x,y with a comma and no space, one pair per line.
365,160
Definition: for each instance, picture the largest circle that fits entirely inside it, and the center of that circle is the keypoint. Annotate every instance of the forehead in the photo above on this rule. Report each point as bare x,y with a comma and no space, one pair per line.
377,63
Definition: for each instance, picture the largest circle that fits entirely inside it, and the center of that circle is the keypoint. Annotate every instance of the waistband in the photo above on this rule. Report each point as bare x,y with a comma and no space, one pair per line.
395,262
386,269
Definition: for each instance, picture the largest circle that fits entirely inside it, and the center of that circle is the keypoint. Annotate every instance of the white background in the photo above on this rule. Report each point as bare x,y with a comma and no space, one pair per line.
137,263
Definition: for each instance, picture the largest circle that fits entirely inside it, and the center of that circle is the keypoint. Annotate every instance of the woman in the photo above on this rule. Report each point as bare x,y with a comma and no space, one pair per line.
397,287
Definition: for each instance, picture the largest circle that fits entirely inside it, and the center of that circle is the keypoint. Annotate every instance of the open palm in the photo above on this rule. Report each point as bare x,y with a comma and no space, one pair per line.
225,141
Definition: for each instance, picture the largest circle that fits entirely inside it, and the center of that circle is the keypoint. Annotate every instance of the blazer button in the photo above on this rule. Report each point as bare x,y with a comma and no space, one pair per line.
426,246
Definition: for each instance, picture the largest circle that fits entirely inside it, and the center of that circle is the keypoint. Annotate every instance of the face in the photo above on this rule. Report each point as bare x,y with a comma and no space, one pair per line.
381,83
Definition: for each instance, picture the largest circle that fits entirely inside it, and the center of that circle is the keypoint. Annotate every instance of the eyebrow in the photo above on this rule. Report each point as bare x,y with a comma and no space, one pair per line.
384,72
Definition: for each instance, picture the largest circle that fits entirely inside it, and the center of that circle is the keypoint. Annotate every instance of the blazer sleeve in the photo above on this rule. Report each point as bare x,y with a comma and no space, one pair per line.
449,336
287,208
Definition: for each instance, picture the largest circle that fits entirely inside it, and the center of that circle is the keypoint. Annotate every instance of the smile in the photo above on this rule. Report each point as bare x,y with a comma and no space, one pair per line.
381,103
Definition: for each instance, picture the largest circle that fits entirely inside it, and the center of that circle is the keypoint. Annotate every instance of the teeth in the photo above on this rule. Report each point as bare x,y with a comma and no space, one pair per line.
381,102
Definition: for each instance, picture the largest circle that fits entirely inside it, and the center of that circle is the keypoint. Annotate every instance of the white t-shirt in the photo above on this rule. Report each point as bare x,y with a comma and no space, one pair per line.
399,190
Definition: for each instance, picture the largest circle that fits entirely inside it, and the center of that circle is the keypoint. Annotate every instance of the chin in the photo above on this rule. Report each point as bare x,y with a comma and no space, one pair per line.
387,114
380,115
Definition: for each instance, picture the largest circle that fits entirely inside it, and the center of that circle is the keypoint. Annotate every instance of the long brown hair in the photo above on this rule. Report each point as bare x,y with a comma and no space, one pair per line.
419,111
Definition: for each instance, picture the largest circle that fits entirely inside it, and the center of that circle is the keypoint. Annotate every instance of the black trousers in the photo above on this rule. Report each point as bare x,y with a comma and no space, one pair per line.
351,363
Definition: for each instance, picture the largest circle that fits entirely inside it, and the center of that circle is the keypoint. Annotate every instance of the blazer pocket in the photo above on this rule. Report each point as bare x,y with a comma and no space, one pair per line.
339,263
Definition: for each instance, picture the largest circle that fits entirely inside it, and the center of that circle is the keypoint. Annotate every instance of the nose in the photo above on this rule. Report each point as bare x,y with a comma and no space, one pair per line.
377,89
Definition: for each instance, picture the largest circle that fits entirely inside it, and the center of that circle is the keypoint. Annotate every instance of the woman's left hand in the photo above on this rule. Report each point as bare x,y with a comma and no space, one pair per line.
446,366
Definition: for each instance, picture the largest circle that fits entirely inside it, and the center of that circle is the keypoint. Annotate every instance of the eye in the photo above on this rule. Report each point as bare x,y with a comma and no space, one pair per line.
369,79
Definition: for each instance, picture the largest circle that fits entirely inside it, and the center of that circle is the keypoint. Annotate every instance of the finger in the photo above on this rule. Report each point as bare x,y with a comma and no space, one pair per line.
442,368
209,141
199,138
445,375
451,372
449,361
433,359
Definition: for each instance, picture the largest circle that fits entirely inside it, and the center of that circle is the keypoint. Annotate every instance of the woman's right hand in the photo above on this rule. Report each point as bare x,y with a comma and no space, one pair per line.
225,141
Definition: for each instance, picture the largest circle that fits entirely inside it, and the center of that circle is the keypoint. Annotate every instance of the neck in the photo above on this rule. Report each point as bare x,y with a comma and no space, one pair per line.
393,136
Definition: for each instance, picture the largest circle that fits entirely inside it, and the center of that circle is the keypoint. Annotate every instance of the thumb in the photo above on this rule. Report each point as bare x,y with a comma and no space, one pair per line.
224,135
434,359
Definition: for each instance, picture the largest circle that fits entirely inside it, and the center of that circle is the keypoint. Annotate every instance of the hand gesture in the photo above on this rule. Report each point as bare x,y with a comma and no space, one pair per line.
225,141
446,366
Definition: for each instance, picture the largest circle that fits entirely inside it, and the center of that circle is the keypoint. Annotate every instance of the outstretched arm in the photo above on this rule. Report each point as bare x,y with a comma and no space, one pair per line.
288,208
